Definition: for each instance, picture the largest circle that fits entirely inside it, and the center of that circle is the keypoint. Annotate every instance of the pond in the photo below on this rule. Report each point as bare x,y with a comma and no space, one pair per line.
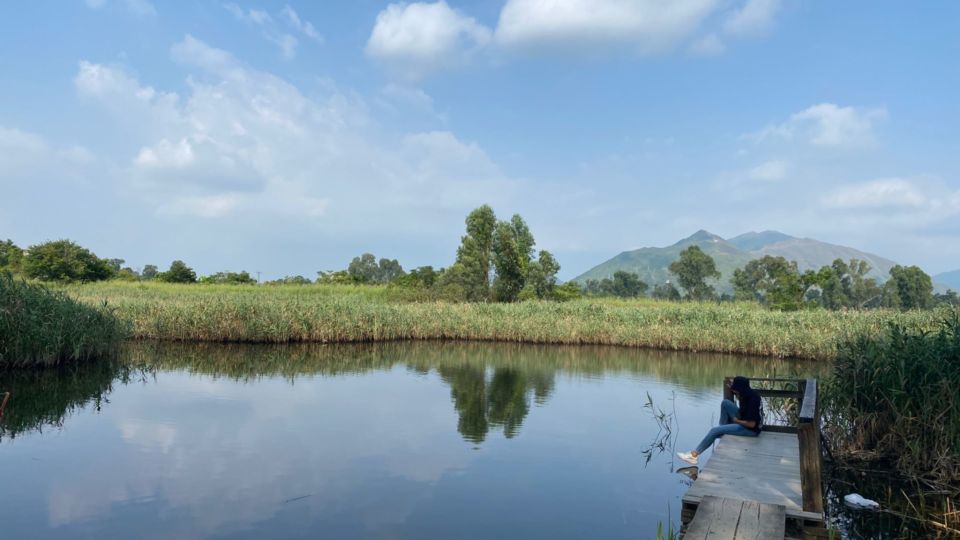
396,440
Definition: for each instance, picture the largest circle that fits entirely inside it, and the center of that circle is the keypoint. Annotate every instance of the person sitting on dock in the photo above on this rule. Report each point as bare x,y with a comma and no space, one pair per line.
744,421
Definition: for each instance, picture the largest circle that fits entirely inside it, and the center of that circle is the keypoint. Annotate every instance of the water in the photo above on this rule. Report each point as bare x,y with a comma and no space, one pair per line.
403,440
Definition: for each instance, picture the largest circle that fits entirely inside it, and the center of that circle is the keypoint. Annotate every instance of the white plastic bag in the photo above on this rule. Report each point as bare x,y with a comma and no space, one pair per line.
855,500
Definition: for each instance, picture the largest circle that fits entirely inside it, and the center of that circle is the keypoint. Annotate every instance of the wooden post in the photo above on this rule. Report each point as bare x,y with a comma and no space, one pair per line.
809,439
727,392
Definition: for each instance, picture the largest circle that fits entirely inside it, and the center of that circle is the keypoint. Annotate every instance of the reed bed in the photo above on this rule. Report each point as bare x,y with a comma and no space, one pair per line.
39,326
895,399
342,314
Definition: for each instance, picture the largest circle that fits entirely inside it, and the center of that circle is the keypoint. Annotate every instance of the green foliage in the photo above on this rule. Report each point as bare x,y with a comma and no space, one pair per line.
179,272
423,277
509,263
666,291
949,298
229,278
894,397
471,271
692,270
339,277
504,251
772,281
908,288
622,285
149,272
43,327
10,256
290,280
568,291
64,261
366,269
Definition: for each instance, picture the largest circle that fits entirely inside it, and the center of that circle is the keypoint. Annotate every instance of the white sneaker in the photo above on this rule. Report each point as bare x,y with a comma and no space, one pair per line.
688,457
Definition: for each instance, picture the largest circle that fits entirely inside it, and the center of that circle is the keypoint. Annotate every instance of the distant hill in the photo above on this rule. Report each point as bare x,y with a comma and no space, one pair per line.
651,263
949,280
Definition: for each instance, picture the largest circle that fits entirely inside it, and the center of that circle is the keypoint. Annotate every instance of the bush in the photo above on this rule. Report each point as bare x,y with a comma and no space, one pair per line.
63,260
896,398
39,326
179,272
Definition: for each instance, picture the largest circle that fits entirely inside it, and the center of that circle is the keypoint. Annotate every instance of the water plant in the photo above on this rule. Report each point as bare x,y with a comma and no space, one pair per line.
39,326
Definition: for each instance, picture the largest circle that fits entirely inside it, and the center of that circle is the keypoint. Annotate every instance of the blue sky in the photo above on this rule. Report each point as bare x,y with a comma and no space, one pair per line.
287,137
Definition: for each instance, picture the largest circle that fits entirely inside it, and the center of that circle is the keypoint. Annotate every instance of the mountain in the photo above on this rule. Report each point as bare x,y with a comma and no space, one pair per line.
950,280
651,263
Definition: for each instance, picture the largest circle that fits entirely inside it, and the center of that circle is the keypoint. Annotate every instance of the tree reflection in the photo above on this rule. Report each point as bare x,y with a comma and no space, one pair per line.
502,401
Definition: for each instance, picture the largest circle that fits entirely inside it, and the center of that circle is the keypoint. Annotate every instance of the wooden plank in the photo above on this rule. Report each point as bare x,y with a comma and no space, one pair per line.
810,467
716,519
761,522
763,392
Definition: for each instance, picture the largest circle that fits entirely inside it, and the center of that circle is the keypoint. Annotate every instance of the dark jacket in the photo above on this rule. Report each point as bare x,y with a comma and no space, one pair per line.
751,407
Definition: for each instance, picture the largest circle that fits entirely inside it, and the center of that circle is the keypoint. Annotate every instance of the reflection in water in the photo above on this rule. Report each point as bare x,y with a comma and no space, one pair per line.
358,441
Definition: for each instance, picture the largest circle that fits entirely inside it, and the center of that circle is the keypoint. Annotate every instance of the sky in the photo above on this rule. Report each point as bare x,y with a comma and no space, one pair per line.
288,137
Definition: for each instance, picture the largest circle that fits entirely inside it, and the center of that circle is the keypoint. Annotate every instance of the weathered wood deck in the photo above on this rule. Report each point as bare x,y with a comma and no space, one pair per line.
721,519
764,469
753,480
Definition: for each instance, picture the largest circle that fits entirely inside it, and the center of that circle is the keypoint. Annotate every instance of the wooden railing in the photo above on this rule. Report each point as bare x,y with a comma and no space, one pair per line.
807,429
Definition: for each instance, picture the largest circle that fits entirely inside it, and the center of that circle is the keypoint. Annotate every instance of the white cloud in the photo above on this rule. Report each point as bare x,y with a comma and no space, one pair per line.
754,18
244,142
878,194
303,26
421,37
274,32
650,26
769,171
827,125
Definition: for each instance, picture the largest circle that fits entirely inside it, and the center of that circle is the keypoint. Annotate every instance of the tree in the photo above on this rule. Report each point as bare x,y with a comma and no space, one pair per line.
772,281
508,262
388,270
542,277
149,272
229,278
63,260
692,269
908,288
623,285
423,277
949,298
10,256
666,291
471,271
363,269
568,291
179,272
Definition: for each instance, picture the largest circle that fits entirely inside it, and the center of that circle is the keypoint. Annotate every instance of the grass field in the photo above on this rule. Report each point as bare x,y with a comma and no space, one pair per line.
338,313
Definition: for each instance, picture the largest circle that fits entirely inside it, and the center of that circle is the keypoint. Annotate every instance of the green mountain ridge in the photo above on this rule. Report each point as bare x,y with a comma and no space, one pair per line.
651,263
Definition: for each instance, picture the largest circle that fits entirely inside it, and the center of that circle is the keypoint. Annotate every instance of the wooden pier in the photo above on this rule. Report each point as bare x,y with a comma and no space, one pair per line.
751,482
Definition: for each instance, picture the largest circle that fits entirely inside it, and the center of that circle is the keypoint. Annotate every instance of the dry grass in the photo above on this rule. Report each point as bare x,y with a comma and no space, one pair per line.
328,314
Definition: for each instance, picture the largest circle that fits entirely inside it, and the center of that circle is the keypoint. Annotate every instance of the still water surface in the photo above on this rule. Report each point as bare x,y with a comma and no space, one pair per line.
402,440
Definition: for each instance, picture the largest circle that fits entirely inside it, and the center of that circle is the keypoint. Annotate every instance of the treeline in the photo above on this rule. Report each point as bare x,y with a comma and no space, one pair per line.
779,284
496,262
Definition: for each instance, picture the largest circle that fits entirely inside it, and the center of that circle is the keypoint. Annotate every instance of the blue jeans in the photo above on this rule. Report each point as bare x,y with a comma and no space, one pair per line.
728,411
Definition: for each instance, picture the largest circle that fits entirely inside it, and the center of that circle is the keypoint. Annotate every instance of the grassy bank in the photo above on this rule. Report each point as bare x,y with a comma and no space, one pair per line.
316,313
43,327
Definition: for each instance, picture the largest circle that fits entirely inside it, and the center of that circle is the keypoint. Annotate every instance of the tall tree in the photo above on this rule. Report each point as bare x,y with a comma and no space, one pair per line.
150,271
363,269
10,256
909,287
508,262
542,276
63,260
692,269
471,271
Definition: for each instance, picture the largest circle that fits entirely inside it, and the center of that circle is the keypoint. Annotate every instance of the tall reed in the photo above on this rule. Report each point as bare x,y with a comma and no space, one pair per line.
39,326
896,398
330,314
